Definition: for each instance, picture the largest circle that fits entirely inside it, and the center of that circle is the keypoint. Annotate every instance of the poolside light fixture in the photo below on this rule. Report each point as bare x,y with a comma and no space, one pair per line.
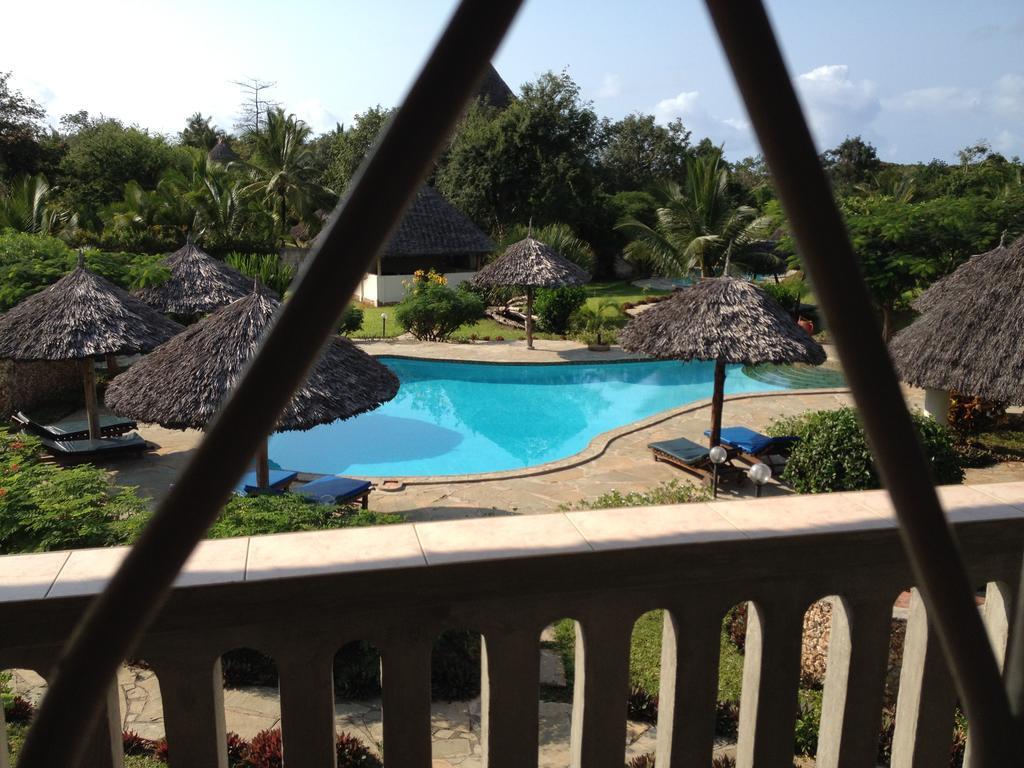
383,325
718,455
759,474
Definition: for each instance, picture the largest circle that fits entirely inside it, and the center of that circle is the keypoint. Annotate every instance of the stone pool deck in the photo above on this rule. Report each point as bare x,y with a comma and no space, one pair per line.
618,460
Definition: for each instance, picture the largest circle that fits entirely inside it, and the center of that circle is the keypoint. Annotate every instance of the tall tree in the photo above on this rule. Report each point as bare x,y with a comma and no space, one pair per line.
638,153
698,226
20,130
199,132
255,105
283,171
352,144
854,161
536,159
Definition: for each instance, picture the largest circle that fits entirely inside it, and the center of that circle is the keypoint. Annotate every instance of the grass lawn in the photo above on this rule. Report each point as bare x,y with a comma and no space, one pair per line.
1006,440
645,656
620,291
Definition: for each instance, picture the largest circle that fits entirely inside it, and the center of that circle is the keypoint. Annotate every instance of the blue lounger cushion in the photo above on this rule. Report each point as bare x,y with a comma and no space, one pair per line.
279,480
682,449
333,489
749,441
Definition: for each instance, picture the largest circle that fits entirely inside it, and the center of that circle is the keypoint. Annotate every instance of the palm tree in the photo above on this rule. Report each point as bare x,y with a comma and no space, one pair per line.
27,207
283,171
698,226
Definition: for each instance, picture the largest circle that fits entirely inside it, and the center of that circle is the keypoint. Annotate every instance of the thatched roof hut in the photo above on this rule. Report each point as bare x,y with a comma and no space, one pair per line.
221,152
199,284
961,279
494,90
183,383
80,316
722,319
530,264
967,338
432,226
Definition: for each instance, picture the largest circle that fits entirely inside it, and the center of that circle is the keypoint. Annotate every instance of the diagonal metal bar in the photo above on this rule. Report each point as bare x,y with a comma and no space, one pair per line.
356,232
825,249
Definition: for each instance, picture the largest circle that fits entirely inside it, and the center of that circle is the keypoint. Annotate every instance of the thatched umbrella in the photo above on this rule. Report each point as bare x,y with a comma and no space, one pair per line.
722,319
183,383
198,285
78,317
967,338
530,264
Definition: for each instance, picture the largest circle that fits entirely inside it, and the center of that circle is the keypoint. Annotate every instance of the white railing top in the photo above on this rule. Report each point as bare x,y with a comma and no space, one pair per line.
34,577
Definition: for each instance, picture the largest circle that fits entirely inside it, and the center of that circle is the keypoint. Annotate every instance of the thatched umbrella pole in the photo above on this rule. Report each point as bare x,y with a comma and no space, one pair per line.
717,402
529,317
92,408
263,465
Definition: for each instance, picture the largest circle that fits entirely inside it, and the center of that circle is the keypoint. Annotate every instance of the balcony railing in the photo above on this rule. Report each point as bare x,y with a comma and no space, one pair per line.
300,597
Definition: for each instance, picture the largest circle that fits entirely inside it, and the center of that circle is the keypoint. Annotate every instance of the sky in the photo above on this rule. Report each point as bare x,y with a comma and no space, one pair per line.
920,79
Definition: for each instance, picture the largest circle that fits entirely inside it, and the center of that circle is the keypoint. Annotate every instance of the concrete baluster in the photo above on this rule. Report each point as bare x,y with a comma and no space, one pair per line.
193,699
509,688
405,679
307,707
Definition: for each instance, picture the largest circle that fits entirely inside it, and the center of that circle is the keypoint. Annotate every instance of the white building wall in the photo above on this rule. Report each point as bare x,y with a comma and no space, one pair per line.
390,289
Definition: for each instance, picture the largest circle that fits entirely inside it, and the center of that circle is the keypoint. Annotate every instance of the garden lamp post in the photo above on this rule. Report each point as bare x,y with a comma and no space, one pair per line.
383,325
759,474
718,456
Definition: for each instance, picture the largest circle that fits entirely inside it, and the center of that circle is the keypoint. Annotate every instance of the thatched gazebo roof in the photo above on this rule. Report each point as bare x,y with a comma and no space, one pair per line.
80,316
962,278
221,152
530,263
494,90
722,318
199,284
182,384
967,339
434,227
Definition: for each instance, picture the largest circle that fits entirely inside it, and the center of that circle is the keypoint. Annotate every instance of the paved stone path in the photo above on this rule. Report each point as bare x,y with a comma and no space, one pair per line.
455,726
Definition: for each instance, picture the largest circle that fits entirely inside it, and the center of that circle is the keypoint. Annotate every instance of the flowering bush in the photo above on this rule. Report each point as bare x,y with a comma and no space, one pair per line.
433,312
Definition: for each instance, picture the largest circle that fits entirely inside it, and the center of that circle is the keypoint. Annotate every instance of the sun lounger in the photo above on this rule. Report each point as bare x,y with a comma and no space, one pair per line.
280,479
72,429
86,450
754,447
693,458
333,489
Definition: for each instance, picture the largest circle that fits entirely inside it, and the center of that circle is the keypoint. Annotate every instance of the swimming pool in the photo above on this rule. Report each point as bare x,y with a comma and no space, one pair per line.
453,418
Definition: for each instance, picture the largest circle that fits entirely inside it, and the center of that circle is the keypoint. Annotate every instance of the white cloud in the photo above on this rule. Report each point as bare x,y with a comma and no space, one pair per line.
611,86
937,99
1008,96
836,105
732,132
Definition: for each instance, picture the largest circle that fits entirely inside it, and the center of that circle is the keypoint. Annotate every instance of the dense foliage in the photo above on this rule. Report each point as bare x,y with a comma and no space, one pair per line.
432,311
44,507
833,455
555,307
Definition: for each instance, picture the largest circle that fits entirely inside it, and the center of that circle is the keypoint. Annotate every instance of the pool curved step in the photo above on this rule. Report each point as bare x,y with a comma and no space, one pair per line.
796,376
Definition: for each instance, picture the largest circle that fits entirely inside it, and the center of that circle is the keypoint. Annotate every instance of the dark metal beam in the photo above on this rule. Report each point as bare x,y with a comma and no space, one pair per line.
825,249
358,229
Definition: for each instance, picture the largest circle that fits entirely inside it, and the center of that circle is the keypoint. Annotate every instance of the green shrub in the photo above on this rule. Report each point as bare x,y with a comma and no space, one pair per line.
455,666
265,267
29,263
352,320
286,512
556,306
786,293
672,492
433,312
45,507
832,453
808,720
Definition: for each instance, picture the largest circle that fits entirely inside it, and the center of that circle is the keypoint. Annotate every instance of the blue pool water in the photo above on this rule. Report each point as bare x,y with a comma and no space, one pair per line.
461,418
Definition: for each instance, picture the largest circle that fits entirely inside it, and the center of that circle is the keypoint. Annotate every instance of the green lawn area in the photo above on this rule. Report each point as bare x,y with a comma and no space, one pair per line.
620,291
645,656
